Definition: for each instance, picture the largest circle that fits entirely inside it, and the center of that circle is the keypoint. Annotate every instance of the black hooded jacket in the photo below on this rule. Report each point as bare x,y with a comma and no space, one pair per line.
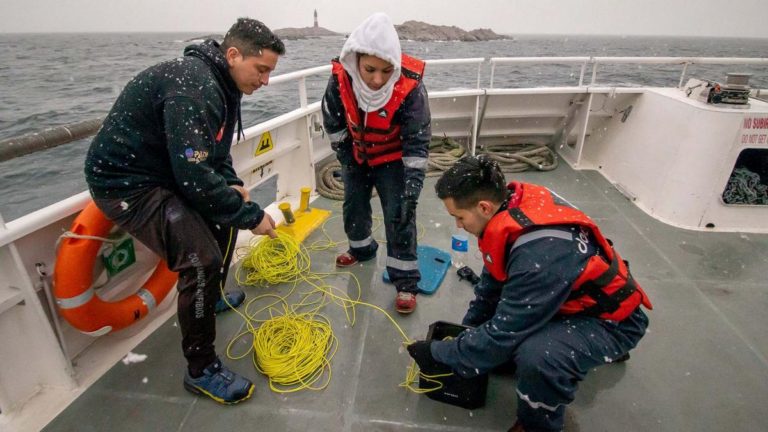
172,127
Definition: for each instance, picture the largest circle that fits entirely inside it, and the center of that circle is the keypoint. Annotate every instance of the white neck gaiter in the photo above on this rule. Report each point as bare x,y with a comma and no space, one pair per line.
375,36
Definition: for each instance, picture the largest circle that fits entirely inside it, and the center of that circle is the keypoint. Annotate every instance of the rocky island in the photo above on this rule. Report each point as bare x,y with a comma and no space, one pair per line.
409,30
305,32
423,32
291,33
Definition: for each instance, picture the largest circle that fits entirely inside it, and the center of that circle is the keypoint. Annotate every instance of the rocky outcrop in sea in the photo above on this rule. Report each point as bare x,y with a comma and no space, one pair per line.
292,33
409,30
423,32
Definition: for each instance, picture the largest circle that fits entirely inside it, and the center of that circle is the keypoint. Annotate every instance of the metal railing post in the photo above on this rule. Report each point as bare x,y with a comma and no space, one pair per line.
581,74
473,144
682,76
303,92
594,72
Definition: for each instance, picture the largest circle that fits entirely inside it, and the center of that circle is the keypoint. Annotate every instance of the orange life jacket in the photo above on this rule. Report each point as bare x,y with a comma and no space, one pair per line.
376,140
604,289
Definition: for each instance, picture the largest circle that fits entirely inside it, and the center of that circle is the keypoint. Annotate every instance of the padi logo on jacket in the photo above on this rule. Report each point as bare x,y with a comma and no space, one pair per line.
383,113
488,258
195,156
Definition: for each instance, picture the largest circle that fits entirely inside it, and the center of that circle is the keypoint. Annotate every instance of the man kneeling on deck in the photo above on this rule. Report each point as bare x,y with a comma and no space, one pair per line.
554,299
160,168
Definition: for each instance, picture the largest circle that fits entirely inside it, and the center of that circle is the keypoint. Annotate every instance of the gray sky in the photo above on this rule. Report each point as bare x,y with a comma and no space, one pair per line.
735,18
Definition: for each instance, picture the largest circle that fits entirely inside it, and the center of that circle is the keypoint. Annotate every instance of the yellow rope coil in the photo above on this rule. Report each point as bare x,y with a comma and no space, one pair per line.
273,261
295,345
294,351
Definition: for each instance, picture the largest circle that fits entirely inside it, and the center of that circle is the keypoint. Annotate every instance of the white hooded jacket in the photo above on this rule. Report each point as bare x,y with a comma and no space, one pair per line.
375,36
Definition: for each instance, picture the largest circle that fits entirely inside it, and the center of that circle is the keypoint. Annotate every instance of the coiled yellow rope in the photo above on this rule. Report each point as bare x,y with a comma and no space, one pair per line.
294,351
273,261
295,345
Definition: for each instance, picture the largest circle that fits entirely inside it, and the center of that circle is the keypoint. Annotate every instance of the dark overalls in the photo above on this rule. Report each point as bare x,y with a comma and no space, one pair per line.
518,321
389,181
392,181
199,250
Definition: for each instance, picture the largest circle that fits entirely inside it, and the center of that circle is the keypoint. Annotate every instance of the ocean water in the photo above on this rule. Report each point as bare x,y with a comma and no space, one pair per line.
49,80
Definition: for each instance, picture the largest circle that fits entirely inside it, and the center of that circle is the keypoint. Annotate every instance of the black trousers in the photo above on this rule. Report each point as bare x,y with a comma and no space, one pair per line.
389,181
198,249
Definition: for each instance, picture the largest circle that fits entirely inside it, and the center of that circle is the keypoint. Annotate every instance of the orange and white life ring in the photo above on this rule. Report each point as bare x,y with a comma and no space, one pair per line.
73,281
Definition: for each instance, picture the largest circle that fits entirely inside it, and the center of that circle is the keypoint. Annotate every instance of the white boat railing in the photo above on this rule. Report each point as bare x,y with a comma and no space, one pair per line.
479,61
684,61
296,143
596,61
61,133
583,61
301,75
18,228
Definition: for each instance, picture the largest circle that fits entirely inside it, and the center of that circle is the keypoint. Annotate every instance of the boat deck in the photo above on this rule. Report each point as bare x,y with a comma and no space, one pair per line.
702,366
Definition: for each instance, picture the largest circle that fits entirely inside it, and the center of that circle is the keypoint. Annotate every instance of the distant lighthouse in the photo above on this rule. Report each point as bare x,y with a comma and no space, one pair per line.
315,18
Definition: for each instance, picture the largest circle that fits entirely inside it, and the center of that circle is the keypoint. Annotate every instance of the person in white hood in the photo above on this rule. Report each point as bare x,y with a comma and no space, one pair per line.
376,113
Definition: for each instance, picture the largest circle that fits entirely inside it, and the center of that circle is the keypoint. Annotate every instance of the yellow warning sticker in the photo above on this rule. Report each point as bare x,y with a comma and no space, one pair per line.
265,144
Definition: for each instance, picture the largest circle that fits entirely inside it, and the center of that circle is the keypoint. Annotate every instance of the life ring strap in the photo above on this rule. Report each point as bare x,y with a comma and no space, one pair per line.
147,298
76,301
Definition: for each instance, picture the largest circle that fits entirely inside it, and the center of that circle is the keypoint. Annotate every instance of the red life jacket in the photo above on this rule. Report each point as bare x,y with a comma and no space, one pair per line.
377,141
604,289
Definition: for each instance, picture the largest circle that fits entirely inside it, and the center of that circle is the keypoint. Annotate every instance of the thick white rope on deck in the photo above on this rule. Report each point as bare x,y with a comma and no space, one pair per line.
443,154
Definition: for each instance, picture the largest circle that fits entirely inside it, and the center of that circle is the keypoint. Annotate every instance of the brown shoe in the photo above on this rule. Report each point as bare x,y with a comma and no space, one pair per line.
345,260
405,302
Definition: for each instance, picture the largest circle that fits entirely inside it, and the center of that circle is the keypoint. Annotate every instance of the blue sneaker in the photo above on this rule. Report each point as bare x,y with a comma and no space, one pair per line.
220,384
234,297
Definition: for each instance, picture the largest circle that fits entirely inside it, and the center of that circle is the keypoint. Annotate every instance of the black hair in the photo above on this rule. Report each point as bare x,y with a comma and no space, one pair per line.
250,36
471,180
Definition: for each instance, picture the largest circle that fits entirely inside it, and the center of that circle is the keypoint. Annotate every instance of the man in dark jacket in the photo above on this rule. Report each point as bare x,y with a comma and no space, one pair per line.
554,299
161,169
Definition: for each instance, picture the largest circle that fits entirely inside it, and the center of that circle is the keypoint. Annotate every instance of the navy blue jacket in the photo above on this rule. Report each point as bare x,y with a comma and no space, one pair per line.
414,119
539,278
172,127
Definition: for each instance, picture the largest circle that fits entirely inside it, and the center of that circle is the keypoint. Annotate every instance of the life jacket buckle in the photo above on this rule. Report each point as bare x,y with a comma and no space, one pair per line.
361,152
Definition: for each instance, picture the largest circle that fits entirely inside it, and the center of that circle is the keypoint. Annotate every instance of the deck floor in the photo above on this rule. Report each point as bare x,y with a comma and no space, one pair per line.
701,367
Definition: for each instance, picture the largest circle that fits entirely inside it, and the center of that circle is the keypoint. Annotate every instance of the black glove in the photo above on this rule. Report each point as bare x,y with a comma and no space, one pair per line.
343,151
421,352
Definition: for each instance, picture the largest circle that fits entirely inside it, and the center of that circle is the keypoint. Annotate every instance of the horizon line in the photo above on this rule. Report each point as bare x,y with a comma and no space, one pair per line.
342,33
